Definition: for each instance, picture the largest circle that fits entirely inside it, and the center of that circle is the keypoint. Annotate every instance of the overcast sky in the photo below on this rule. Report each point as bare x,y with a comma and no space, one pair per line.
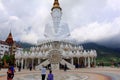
88,20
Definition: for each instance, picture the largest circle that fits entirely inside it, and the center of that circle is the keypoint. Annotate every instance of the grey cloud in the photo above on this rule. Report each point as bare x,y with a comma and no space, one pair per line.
20,8
34,14
113,42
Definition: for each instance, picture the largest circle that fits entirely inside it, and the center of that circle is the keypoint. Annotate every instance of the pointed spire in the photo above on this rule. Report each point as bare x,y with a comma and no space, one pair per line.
56,5
9,39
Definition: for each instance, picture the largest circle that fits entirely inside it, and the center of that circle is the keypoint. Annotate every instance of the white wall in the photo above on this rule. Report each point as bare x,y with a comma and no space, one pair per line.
3,48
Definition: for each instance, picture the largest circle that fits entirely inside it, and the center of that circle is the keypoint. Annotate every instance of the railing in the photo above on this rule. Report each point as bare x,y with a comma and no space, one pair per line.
70,66
45,63
63,62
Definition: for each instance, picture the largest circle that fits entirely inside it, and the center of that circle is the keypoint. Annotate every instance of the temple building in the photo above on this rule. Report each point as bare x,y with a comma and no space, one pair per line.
57,49
9,45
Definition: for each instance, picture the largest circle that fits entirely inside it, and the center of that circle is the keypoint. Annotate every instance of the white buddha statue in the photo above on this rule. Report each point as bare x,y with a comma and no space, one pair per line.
56,29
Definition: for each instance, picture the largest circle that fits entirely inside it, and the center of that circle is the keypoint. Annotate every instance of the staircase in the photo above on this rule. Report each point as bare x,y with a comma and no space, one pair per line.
70,66
45,63
63,62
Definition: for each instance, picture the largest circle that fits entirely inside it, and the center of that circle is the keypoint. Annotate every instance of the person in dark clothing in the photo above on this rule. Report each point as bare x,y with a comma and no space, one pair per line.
30,67
19,67
12,70
65,67
9,74
50,76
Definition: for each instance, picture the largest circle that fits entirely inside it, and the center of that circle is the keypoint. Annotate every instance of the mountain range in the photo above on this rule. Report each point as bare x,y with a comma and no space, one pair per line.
102,51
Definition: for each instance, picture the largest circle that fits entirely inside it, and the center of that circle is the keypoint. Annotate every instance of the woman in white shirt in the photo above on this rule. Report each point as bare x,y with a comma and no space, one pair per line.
43,73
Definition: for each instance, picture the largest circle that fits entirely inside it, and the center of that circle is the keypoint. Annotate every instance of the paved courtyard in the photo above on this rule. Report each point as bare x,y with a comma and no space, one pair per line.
77,74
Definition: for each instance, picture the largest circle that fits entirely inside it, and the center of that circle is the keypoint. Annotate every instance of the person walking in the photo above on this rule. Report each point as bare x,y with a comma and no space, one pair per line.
43,72
12,71
50,76
9,74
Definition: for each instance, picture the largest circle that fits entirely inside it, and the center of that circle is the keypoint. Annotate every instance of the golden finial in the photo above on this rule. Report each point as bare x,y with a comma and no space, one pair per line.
56,5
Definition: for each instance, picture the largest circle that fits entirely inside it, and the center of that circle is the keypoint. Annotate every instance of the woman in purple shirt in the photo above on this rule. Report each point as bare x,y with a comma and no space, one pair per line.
50,76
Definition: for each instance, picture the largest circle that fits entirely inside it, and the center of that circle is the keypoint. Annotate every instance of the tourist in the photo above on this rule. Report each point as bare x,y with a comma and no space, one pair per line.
65,67
49,67
98,64
9,74
23,66
43,72
102,64
12,70
30,67
118,64
19,67
50,76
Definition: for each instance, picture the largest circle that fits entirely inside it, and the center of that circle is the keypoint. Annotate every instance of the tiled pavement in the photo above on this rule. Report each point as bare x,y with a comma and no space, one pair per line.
37,76
78,74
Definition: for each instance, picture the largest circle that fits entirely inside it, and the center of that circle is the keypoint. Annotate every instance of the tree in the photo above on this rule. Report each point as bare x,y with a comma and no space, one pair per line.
8,59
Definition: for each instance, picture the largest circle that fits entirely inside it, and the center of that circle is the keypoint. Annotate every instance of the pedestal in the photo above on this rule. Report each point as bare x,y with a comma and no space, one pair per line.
55,66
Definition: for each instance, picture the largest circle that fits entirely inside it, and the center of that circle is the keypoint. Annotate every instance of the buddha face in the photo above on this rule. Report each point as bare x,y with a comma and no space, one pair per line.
56,15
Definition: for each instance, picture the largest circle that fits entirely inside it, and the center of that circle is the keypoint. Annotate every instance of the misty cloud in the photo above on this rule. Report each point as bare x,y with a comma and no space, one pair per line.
89,20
